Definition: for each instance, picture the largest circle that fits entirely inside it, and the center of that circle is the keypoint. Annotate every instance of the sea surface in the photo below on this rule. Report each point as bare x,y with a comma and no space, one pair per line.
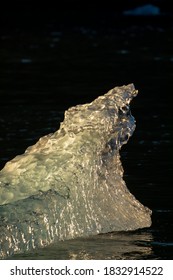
52,61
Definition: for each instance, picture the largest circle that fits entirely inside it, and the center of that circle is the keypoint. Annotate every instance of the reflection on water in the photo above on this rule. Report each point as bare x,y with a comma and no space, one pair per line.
153,243
124,245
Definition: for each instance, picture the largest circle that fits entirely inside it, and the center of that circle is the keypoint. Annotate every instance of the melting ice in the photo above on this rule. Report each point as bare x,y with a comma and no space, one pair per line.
69,184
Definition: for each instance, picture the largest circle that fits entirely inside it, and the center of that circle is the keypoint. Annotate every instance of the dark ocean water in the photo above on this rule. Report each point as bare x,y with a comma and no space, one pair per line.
59,60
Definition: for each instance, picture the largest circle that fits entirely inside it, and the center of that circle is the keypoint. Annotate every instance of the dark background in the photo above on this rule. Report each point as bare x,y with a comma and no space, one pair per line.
82,5
55,55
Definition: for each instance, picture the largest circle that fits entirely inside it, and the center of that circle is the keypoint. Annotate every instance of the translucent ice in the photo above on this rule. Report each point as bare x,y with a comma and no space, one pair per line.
70,183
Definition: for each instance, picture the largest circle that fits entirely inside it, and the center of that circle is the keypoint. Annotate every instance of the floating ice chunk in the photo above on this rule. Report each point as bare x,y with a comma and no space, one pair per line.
146,10
70,183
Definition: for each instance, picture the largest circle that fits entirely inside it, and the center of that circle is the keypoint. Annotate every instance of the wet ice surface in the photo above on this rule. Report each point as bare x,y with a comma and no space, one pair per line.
99,128
70,182
105,57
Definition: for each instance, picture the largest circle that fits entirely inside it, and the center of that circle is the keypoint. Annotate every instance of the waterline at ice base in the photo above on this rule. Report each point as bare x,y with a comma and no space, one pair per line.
70,183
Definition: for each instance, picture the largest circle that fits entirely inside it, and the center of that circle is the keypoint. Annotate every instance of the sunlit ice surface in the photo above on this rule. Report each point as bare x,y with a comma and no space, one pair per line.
70,183
119,245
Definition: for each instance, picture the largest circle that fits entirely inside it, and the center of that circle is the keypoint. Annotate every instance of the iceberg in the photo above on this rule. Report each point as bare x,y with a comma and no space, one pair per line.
145,10
70,183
